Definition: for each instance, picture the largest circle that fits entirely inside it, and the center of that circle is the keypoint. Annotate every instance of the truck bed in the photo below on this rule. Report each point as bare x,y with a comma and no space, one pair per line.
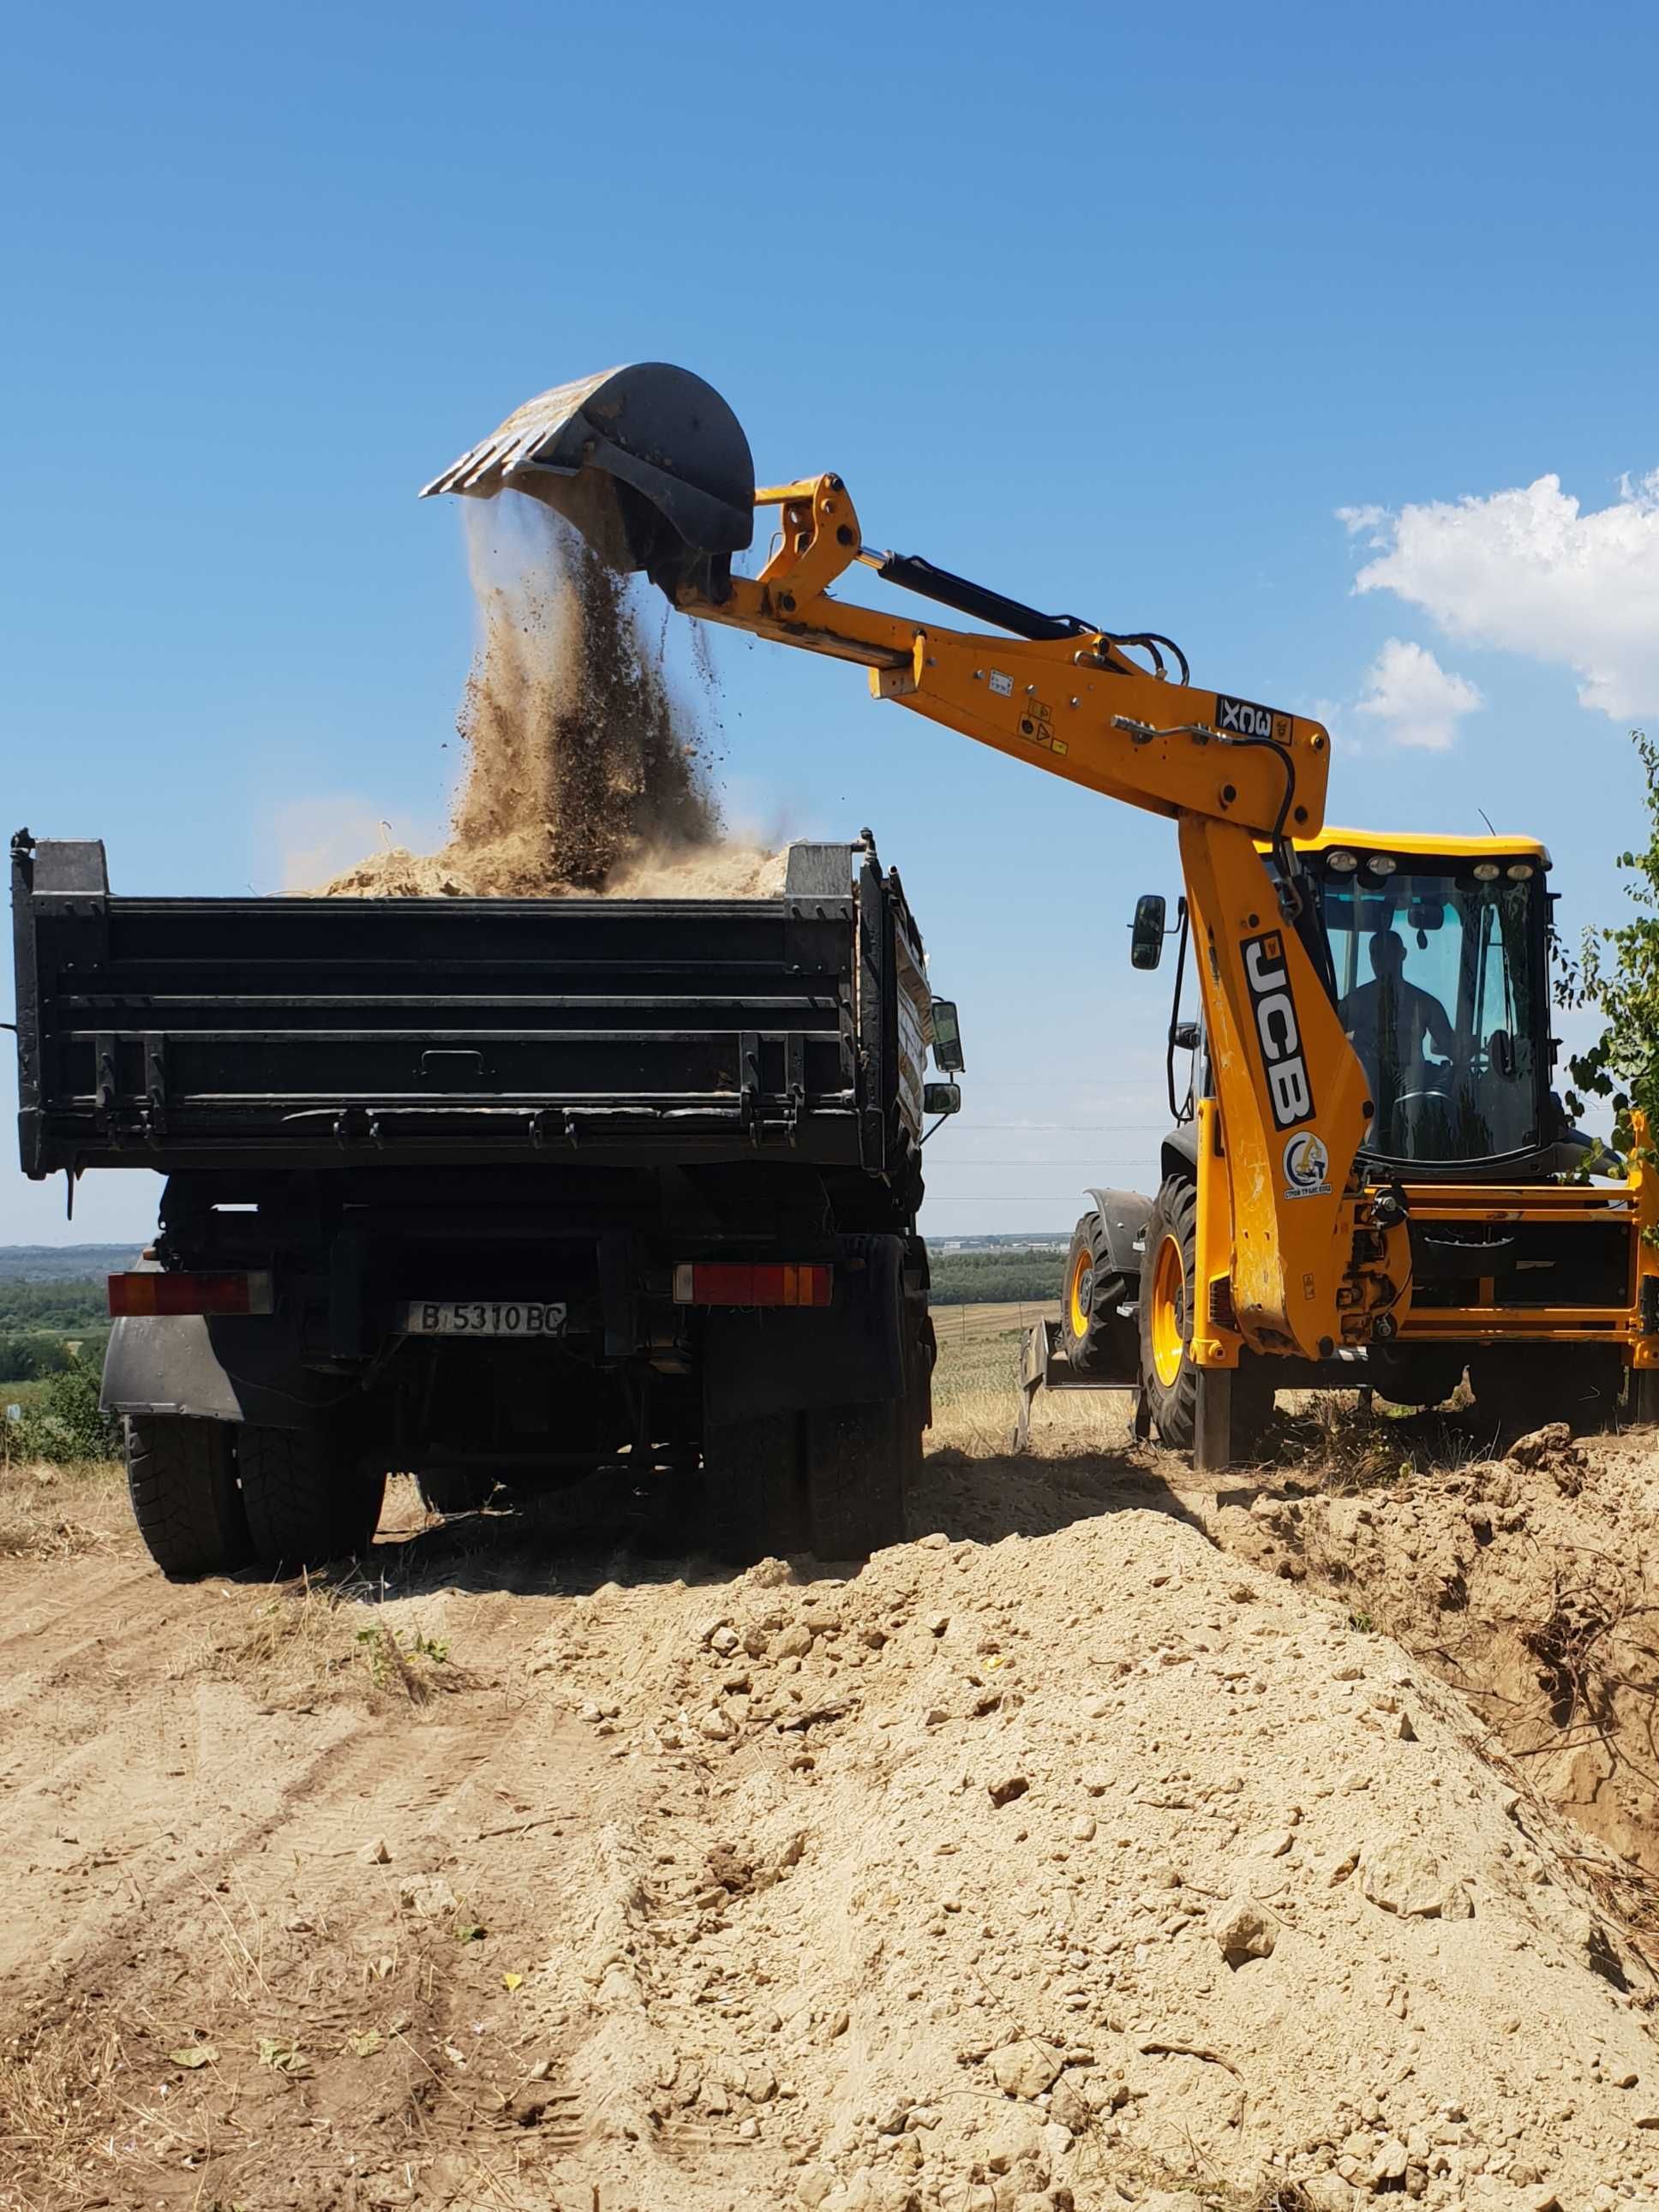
277,1033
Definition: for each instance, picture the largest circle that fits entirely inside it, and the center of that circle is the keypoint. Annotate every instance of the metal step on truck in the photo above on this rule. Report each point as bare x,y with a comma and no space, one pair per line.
499,1192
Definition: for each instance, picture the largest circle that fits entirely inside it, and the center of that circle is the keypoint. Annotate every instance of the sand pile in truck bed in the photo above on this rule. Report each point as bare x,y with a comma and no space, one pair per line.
583,772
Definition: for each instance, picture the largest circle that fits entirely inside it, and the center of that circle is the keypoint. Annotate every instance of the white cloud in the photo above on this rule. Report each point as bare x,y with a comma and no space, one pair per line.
1528,571
1417,702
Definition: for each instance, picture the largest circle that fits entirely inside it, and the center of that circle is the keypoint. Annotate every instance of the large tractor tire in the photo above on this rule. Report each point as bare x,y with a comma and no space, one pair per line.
182,1477
1097,1337
1168,1374
307,1502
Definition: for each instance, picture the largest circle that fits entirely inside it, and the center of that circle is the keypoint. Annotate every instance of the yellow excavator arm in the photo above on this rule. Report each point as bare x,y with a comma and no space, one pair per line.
1294,1255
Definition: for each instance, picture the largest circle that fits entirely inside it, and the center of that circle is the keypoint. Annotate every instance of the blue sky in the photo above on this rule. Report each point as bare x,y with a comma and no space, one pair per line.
1115,309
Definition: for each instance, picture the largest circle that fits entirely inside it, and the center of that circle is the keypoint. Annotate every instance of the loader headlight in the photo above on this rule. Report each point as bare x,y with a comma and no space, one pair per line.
1519,871
1486,871
1380,864
1341,864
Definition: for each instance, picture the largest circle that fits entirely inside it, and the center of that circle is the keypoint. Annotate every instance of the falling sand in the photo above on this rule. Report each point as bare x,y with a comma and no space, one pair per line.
583,773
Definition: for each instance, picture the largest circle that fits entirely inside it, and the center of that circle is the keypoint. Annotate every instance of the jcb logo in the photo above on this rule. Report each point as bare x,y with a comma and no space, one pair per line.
1243,718
1276,1026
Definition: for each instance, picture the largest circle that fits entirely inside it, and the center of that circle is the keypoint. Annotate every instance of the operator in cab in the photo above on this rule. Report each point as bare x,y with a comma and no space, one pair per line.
1393,1024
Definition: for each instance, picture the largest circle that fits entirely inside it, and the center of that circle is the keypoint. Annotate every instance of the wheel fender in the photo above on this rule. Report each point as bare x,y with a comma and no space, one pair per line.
226,1368
1178,1154
167,1365
1123,1218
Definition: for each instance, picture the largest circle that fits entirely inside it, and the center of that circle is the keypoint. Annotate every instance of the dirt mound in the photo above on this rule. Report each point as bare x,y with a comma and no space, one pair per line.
1530,1581
583,772
1075,1871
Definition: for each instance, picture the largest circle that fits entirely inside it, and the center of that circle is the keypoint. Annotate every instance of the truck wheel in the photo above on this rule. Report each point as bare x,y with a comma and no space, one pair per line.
756,1488
1168,1374
182,1477
455,1489
1099,1339
305,1503
860,1462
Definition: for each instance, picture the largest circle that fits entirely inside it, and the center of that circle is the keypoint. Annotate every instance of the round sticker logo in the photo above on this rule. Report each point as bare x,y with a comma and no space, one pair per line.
1307,1164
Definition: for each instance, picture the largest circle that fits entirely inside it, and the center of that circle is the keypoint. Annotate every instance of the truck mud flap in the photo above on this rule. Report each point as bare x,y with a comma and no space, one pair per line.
217,1369
781,1360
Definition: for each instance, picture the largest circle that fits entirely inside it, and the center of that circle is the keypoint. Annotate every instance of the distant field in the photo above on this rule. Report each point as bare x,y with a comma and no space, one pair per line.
979,1346
996,1278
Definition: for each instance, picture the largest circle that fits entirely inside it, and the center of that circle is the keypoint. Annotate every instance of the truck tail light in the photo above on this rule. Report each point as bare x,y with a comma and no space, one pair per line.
167,1293
764,1283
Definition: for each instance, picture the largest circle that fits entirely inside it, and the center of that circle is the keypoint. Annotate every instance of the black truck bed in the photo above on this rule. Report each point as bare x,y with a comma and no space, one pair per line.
276,1033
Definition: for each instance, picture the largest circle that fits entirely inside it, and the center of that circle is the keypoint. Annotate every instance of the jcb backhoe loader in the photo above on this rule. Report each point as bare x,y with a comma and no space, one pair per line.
1334,1207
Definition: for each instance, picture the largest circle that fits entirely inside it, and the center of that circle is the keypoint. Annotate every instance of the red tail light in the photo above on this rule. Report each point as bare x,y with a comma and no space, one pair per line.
168,1293
764,1283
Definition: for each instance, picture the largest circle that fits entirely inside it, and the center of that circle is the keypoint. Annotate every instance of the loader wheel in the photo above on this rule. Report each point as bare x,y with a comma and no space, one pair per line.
1099,1339
305,1501
1168,1374
182,1477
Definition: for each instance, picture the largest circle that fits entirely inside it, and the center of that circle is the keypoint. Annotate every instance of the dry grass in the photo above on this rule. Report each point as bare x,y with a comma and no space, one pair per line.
1332,1440
318,1638
49,1512
54,2090
977,1393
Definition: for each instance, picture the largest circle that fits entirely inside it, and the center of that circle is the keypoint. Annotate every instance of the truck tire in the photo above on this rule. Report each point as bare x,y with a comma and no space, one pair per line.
1097,1337
860,1460
181,1475
1168,1374
305,1503
755,1481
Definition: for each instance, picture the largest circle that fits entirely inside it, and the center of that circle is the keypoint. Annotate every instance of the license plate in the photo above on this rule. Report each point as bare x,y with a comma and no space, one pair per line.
484,1317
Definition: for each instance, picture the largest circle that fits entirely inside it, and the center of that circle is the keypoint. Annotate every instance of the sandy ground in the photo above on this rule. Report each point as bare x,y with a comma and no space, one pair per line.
1099,1847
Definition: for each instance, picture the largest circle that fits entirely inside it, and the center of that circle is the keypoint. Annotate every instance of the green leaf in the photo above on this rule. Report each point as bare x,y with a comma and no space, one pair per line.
194,2054
365,2044
470,1931
283,2053
511,1981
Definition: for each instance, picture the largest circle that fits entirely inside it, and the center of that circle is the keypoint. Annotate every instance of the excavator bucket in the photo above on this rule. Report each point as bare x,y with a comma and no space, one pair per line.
648,462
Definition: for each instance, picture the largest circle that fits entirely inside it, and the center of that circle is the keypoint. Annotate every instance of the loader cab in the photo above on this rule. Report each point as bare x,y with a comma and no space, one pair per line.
1439,971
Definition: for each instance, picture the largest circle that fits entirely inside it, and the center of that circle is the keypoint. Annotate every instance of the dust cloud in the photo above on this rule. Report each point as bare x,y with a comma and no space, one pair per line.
583,773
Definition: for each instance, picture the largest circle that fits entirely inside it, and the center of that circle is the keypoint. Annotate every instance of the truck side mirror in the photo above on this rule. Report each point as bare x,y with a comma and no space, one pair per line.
947,1038
1146,931
941,1098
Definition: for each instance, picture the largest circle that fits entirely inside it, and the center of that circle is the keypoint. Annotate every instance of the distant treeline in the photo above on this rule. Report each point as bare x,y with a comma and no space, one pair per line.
984,1278
39,1320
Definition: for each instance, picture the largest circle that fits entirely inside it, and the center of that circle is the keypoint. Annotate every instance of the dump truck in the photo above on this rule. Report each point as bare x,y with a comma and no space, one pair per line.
1319,1208
499,1192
